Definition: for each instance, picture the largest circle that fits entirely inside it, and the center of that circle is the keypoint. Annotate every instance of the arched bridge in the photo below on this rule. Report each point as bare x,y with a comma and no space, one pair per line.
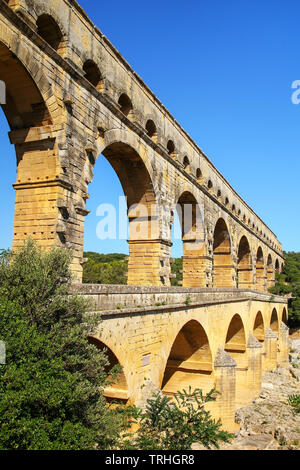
71,96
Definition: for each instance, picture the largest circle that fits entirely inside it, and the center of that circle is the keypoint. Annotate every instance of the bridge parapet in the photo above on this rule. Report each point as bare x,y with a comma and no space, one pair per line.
128,298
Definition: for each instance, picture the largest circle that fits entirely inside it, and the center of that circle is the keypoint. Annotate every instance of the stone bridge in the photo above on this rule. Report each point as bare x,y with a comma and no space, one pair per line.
71,96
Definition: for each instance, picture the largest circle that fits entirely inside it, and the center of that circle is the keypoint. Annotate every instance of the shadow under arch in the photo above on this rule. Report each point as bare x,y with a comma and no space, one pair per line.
274,321
284,317
37,162
192,235
223,272
25,106
235,345
244,265
117,390
189,362
259,328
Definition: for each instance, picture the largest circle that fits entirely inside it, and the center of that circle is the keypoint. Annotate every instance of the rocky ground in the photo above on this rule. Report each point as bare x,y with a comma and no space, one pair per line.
270,423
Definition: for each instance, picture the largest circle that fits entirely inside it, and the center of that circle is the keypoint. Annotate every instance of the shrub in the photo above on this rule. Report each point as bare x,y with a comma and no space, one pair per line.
176,425
51,388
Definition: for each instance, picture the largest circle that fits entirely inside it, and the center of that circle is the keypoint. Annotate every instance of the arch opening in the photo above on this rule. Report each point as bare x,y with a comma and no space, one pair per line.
116,390
189,362
132,216
223,269
93,74
259,328
284,316
151,130
244,265
186,164
236,346
260,271
49,30
191,227
274,323
126,106
36,159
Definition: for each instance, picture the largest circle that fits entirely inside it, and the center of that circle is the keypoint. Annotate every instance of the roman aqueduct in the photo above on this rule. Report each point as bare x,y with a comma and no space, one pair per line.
71,96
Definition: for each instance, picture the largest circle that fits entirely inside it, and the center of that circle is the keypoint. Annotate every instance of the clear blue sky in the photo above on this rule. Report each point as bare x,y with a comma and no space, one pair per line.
224,69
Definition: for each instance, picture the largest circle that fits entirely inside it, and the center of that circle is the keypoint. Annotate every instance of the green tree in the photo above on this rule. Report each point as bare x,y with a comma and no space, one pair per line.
288,282
51,388
176,425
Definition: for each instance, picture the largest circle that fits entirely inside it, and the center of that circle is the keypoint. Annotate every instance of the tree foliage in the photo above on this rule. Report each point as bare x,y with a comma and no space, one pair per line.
105,269
51,388
288,282
113,269
177,424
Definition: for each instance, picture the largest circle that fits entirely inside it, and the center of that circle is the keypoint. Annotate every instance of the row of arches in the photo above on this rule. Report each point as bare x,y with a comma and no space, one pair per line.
190,360
48,28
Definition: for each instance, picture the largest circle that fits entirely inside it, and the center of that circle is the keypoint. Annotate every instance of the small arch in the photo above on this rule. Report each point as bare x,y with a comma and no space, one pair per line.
226,202
49,30
233,208
222,256
219,195
199,176
126,106
270,272
186,164
189,362
151,129
92,74
239,213
277,266
210,186
171,148
117,391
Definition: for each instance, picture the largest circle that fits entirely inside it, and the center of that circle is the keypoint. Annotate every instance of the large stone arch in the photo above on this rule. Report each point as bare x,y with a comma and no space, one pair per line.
284,316
192,233
31,112
189,362
244,265
222,251
236,346
129,160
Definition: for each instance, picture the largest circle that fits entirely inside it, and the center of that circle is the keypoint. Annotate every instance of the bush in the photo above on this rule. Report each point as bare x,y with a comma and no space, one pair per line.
294,401
51,388
176,425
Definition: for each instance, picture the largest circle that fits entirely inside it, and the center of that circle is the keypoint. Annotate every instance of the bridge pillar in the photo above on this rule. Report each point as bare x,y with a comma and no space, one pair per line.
254,350
38,187
283,342
148,263
261,280
270,362
225,383
196,266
